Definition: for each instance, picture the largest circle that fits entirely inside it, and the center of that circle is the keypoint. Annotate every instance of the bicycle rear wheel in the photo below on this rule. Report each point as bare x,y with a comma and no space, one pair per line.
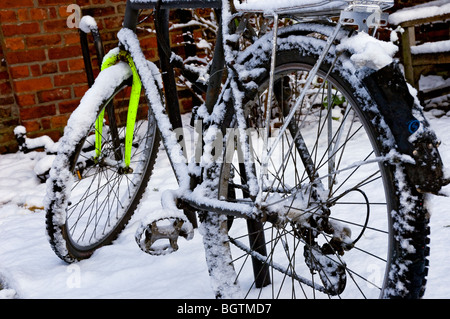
350,225
91,195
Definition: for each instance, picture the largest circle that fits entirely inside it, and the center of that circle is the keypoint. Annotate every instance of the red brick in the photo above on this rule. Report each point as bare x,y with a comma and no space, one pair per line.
31,126
8,16
37,112
25,57
43,40
63,66
63,11
70,78
49,68
52,2
54,134
5,101
79,91
149,42
23,15
111,23
4,75
54,95
32,85
121,8
38,14
72,38
5,88
18,72
59,121
35,70
45,123
63,53
82,3
16,3
20,29
52,14
14,44
56,25
68,106
25,99
76,64
101,11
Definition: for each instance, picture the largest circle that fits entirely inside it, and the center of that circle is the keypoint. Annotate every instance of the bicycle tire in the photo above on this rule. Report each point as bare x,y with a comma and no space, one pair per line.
402,273
108,205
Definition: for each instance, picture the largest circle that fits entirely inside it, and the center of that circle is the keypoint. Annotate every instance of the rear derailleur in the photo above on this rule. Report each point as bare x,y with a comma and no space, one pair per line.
325,259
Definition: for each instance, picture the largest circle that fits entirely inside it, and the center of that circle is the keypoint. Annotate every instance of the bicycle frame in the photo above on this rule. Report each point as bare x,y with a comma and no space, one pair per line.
294,200
135,59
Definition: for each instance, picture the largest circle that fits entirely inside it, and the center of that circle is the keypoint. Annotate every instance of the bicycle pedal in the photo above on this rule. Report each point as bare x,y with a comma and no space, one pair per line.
159,236
331,273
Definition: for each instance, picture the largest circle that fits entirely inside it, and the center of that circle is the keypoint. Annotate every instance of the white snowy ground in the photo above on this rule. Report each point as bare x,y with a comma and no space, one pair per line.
30,269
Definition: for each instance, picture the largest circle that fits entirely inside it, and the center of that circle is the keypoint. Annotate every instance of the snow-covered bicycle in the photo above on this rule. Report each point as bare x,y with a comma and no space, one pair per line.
312,175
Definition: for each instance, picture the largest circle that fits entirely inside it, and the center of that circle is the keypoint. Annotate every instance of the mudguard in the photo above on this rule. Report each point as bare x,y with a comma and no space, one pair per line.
388,88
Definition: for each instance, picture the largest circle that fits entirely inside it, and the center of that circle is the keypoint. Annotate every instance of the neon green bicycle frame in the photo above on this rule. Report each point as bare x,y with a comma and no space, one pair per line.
132,107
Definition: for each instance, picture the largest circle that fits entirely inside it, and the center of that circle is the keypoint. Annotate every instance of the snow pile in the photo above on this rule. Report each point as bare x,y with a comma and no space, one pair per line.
368,51
32,143
87,23
432,81
431,47
7,294
422,11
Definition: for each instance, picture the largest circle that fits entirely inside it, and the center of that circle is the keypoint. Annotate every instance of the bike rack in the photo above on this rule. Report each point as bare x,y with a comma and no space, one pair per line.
98,44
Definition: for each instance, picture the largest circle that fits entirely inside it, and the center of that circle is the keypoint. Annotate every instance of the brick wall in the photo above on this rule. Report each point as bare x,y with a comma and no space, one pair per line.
9,113
42,76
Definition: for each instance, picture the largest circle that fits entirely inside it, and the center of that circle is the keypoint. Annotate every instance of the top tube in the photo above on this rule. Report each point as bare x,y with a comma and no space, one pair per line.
175,4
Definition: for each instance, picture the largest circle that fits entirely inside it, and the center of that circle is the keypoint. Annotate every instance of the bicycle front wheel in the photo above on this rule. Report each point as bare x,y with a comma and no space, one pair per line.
349,224
91,194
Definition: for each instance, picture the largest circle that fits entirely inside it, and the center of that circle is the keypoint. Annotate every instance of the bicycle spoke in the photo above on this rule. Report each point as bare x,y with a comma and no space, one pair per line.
102,191
316,170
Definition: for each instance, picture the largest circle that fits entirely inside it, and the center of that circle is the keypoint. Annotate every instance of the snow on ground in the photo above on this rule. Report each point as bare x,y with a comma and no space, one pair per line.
30,269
